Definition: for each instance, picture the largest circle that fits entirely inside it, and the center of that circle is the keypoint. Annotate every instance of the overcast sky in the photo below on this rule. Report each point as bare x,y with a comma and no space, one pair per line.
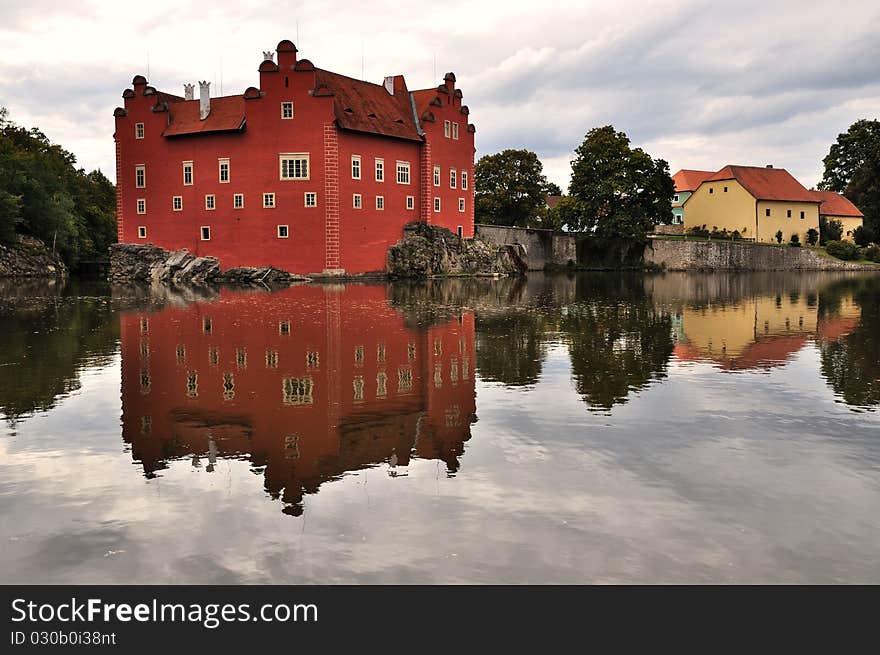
699,84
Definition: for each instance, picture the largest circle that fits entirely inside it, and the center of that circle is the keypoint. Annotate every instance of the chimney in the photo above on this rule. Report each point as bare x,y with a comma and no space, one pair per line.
269,55
769,165
389,84
188,91
204,100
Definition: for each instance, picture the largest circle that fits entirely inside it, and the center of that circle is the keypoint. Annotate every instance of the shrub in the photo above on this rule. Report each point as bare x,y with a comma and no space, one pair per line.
812,236
778,236
872,253
699,232
795,241
829,230
842,250
736,236
863,236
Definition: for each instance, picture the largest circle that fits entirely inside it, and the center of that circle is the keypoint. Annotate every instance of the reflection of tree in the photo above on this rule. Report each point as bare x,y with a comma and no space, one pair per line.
45,340
851,364
618,340
509,347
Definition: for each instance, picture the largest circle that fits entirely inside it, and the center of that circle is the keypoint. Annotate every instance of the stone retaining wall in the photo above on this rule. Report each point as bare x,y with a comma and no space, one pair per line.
537,248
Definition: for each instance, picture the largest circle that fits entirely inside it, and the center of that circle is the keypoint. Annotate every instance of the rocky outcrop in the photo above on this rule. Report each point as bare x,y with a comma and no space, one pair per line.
427,250
134,262
30,258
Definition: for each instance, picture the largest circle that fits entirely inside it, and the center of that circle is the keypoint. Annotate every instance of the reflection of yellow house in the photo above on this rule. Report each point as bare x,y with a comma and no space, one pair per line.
760,331
836,207
755,201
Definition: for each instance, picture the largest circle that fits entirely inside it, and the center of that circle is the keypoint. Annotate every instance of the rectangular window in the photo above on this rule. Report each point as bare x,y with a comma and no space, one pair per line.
294,166
380,170
453,175
446,129
224,170
436,176
675,198
206,233
436,204
461,205
238,201
725,189
268,200
788,214
460,231
355,167
464,180
311,199
803,215
140,176
141,206
209,201
286,110
767,212
410,202
138,130
455,131
711,190
403,172
282,231
380,202
177,203
142,232
356,201
187,173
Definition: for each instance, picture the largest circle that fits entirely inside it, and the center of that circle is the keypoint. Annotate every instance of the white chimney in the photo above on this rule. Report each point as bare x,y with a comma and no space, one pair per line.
188,91
204,100
389,84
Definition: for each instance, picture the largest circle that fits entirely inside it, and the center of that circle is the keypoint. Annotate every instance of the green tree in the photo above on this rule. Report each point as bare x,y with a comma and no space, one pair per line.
622,191
852,167
863,235
812,236
566,215
829,230
510,189
553,189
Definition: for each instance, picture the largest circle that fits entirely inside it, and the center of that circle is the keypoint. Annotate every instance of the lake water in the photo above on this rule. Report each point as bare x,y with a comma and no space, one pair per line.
588,428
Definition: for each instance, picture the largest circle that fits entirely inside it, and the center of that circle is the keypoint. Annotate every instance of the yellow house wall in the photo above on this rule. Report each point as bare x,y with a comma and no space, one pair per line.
778,220
731,210
849,223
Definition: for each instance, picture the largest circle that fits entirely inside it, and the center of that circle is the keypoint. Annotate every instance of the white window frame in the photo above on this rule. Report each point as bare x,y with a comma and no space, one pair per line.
140,176
357,201
235,203
202,236
453,178
220,162
287,104
437,204
210,202
675,198
455,131
446,128
356,167
461,205
380,169
464,180
294,157
286,234
177,203
268,200
380,203
404,170
142,231
138,130
141,206
310,195
436,176
188,168
410,202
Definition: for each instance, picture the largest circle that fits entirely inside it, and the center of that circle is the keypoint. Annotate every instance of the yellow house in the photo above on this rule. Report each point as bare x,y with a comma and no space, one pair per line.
755,201
836,207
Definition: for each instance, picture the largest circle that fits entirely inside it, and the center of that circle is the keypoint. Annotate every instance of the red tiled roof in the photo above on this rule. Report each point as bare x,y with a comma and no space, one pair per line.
764,353
832,329
766,183
423,98
689,180
227,114
552,201
367,107
834,204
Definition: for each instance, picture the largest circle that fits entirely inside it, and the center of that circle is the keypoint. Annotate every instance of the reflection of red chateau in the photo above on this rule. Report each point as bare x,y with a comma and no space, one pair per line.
312,172
310,382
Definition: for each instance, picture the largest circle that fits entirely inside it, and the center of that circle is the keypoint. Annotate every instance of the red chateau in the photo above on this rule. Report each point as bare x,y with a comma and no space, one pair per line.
312,172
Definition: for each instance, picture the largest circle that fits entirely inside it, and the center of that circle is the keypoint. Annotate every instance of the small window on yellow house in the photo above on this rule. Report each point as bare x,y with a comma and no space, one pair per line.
767,212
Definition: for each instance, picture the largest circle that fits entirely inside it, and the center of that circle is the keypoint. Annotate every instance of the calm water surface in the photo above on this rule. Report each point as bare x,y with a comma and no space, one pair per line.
591,428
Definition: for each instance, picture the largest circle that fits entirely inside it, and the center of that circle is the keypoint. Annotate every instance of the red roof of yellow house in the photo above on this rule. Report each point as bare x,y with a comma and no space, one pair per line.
764,353
689,180
766,183
834,204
